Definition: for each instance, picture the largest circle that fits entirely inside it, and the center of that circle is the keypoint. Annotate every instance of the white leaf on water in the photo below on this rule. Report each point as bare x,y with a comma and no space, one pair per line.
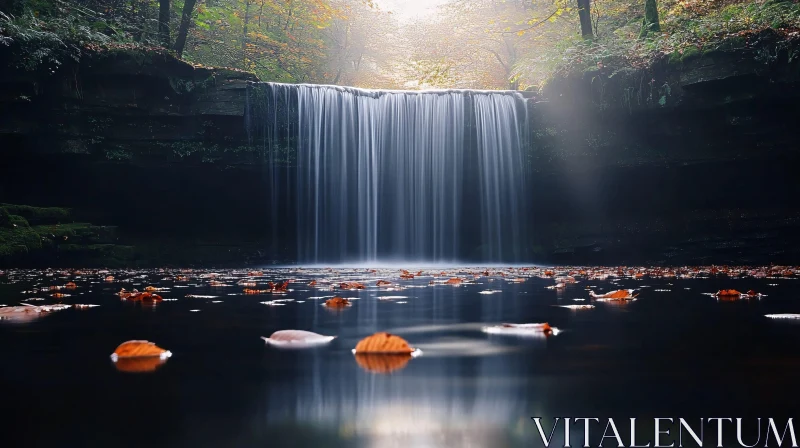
577,307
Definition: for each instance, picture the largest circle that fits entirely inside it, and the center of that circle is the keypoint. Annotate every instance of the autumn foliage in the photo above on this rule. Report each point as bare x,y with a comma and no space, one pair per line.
620,294
383,343
137,296
728,293
139,364
135,349
337,302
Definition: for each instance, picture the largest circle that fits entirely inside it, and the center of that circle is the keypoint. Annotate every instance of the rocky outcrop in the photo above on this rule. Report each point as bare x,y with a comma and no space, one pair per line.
738,100
123,104
691,159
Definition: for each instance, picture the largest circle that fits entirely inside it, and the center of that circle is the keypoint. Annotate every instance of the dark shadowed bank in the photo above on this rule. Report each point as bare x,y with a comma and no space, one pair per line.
689,160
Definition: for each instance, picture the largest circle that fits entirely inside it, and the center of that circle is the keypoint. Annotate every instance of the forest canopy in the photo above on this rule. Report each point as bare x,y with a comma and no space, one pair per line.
478,44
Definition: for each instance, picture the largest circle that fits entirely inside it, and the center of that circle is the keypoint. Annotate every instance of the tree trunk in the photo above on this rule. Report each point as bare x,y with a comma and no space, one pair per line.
137,18
244,34
163,22
584,14
186,20
650,23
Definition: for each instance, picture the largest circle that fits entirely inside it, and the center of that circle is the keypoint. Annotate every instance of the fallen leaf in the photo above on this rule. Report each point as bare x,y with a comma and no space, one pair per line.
139,364
383,343
620,294
138,348
296,338
337,302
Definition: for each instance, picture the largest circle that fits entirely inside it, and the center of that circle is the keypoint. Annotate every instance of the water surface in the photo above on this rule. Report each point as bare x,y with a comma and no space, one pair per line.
674,352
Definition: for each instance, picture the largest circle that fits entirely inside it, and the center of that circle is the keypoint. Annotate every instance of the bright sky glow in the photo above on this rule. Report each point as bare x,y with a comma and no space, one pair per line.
410,9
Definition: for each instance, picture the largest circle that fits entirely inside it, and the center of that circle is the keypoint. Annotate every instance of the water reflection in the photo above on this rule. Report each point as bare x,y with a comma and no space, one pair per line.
139,364
432,399
671,353
382,363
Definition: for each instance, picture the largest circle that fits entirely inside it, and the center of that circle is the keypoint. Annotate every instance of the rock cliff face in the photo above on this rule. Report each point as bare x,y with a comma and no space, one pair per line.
692,159
125,105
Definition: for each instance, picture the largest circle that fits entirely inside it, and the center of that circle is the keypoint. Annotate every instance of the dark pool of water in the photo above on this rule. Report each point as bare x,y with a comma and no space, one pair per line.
672,353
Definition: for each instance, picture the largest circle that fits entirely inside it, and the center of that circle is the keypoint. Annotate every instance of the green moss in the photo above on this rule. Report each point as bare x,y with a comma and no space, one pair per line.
18,240
38,215
733,43
691,53
5,218
18,221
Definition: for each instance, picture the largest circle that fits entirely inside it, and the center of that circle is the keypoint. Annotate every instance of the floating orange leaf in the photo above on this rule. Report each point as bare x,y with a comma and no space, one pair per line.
351,285
139,296
139,364
148,297
383,343
728,293
337,302
138,348
280,288
620,294
453,281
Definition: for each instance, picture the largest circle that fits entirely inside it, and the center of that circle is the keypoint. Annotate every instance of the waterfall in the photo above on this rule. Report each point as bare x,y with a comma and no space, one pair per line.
367,176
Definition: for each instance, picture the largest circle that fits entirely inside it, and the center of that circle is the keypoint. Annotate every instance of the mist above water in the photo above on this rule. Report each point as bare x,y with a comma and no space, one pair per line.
363,176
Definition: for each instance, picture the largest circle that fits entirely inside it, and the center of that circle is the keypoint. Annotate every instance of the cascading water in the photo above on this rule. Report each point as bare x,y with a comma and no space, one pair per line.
369,176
